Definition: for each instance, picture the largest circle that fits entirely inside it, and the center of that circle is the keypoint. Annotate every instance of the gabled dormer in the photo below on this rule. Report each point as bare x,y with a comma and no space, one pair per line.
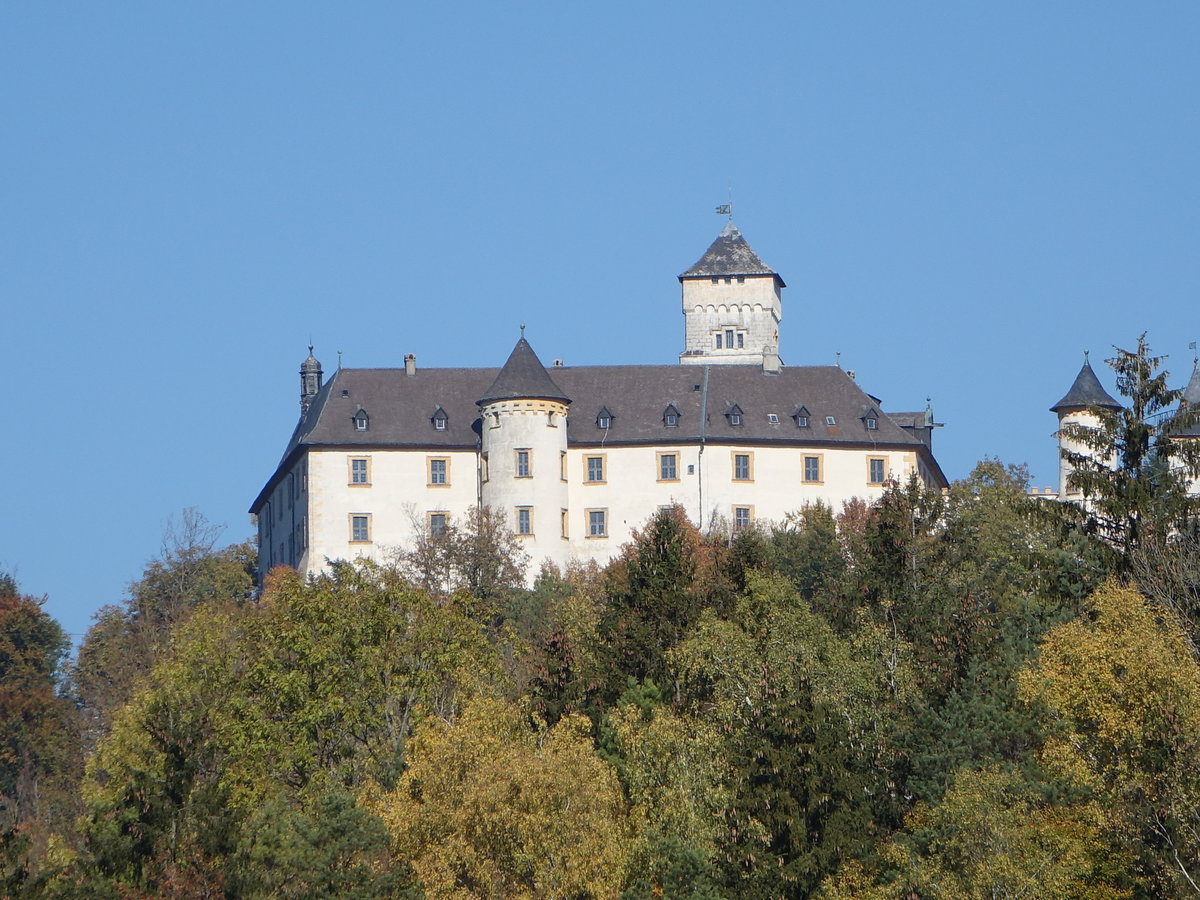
604,418
870,419
733,415
801,416
439,419
671,416
362,421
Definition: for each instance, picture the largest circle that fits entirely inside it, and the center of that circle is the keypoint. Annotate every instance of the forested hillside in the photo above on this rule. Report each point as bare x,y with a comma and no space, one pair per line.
969,694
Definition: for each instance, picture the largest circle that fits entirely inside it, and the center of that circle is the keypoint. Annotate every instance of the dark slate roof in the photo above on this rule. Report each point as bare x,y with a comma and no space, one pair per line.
636,396
523,376
1086,391
729,254
1191,401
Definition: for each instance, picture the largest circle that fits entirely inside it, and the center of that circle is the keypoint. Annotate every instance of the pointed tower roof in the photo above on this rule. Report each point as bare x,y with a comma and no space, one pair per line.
1086,391
1190,400
729,254
523,377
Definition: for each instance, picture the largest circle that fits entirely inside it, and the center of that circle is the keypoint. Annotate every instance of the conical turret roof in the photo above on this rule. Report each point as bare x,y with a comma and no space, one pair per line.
1086,391
523,377
1191,401
729,254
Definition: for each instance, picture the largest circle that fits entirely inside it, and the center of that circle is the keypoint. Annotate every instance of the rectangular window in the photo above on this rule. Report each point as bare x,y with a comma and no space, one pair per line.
524,520
743,470
729,338
360,471
524,468
718,337
439,472
597,523
595,468
562,465
668,467
483,467
812,468
437,523
360,529
875,470
563,519
741,339
742,516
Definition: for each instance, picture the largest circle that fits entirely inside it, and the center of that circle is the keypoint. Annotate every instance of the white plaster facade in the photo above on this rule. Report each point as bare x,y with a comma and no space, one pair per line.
577,458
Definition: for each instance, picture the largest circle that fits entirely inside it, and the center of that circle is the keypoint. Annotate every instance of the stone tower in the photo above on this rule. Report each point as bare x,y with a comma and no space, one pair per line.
310,381
1075,409
731,306
524,448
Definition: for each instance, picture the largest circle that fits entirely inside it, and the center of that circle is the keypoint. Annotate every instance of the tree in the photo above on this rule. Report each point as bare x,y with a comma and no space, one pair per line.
1133,469
1120,696
495,806
127,639
479,556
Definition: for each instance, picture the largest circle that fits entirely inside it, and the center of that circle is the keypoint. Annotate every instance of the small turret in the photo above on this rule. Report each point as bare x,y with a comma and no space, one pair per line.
524,448
310,381
1076,408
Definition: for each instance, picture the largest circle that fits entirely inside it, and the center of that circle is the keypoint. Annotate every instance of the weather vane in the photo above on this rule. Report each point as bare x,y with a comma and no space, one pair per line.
726,209
522,329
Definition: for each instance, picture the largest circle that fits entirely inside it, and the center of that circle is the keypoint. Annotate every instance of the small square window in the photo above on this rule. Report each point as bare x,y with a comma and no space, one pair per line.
604,422
439,423
597,523
872,424
876,470
595,468
735,419
741,518
812,468
741,467
801,421
439,472
772,419
830,420
524,520
359,471
360,423
668,468
437,523
360,529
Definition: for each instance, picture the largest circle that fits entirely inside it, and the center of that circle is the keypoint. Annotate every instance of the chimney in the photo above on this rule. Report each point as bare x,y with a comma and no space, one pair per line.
770,363
410,364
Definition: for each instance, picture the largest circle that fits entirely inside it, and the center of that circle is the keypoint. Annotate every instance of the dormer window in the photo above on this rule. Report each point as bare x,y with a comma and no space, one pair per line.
671,416
604,418
361,420
871,419
439,419
872,423
734,415
800,417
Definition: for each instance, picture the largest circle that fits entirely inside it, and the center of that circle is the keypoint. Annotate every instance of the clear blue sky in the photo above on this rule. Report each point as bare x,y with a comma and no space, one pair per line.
961,198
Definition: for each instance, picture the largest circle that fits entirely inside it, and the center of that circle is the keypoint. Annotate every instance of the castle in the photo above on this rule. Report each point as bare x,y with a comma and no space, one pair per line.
576,457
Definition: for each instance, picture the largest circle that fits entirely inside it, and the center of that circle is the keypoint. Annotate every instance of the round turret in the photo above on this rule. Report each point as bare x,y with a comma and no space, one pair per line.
1077,409
310,380
524,447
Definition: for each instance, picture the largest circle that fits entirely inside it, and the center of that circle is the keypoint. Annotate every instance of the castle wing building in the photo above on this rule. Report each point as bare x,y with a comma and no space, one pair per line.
576,457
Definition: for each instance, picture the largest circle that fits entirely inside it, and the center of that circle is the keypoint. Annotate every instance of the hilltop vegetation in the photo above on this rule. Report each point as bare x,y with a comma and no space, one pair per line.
943,695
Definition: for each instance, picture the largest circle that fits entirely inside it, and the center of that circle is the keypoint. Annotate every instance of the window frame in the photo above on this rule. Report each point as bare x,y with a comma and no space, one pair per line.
522,462
819,459
882,461
523,528
430,479
366,471
749,470
661,457
749,517
353,519
590,514
602,460
429,517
